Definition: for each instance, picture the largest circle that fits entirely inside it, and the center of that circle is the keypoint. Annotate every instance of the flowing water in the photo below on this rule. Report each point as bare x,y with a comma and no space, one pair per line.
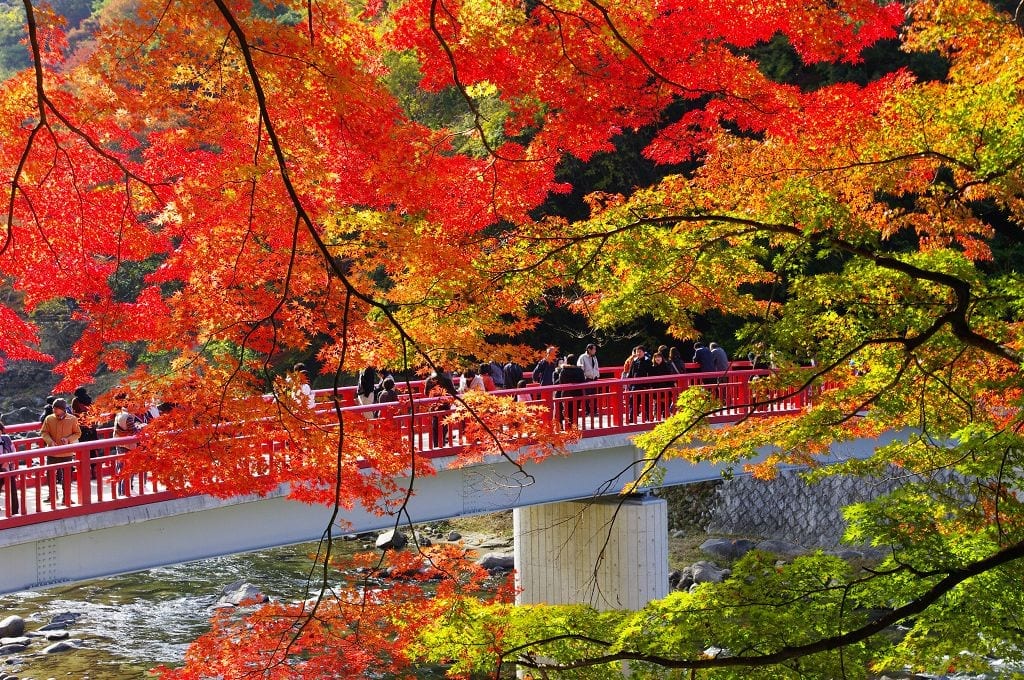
131,623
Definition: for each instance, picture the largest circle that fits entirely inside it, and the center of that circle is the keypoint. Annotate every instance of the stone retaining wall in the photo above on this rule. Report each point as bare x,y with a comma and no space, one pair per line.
690,507
788,508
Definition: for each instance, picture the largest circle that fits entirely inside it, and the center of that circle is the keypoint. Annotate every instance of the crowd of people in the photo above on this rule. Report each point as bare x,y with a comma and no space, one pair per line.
62,423
377,386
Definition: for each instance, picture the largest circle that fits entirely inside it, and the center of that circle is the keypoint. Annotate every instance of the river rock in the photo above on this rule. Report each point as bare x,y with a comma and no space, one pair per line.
20,640
59,647
454,536
12,626
494,561
727,548
697,572
391,540
12,649
238,592
705,572
60,621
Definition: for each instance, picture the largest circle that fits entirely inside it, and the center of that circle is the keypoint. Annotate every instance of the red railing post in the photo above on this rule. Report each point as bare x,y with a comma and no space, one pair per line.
549,400
81,461
618,404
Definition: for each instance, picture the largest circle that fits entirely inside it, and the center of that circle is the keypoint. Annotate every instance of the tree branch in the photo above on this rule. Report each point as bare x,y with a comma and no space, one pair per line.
951,579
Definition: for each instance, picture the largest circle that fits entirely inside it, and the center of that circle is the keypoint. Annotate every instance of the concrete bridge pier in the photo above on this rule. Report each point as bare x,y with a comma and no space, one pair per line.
610,553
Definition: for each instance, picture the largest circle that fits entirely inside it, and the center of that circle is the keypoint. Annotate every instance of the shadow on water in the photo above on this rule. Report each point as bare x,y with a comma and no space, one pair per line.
128,624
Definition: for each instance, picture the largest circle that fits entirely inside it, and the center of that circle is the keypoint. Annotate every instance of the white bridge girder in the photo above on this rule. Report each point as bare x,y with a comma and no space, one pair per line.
171,532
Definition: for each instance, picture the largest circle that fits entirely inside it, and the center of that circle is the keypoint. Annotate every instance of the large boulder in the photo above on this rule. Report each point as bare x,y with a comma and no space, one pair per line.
705,572
783,549
12,626
391,540
727,548
495,561
238,592
22,414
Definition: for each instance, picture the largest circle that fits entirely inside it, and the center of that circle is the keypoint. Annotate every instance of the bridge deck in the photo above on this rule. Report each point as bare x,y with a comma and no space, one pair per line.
120,524
42,488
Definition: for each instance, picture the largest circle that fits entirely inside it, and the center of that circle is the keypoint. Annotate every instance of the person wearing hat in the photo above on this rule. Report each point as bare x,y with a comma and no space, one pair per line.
60,428
48,408
80,404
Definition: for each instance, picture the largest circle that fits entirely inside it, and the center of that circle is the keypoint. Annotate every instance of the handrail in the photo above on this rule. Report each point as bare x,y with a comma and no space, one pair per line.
89,473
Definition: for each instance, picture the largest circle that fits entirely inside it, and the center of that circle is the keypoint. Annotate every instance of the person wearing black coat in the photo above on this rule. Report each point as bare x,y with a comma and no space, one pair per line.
544,371
569,373
705,360
660,398
439,384
639,367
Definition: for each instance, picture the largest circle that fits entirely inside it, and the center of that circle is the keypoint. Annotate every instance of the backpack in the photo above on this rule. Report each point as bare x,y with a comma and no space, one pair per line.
125,424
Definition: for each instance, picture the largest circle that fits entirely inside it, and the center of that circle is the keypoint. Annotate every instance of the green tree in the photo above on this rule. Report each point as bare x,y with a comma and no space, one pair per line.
369,178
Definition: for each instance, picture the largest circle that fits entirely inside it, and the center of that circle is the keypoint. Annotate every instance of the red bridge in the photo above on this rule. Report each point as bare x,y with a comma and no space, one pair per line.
609,406
118,523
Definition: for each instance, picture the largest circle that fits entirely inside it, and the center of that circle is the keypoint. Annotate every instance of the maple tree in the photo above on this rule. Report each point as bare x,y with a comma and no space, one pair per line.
365,178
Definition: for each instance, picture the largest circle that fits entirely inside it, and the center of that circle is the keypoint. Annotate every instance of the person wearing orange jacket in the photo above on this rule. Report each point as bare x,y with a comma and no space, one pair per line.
60,428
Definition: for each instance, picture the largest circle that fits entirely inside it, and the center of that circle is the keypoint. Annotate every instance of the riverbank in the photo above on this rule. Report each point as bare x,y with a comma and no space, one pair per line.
119,628
122,626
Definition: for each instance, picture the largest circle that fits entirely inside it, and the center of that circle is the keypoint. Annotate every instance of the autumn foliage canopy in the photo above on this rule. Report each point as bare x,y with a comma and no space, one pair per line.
217,187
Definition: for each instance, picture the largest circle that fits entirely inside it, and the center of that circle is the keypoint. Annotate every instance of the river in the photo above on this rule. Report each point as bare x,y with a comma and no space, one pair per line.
131,623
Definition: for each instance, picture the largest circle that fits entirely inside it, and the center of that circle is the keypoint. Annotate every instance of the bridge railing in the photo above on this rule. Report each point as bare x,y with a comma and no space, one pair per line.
75,479
49,483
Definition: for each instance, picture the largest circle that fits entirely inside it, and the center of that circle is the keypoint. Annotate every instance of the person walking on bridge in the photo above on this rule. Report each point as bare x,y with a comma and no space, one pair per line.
591,372
544,371
60,428
126,424
302,392
568,373
10,484
719,359
589,363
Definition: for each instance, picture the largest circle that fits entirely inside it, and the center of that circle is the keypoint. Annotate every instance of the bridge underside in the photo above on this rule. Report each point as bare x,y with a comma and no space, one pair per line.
175,531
